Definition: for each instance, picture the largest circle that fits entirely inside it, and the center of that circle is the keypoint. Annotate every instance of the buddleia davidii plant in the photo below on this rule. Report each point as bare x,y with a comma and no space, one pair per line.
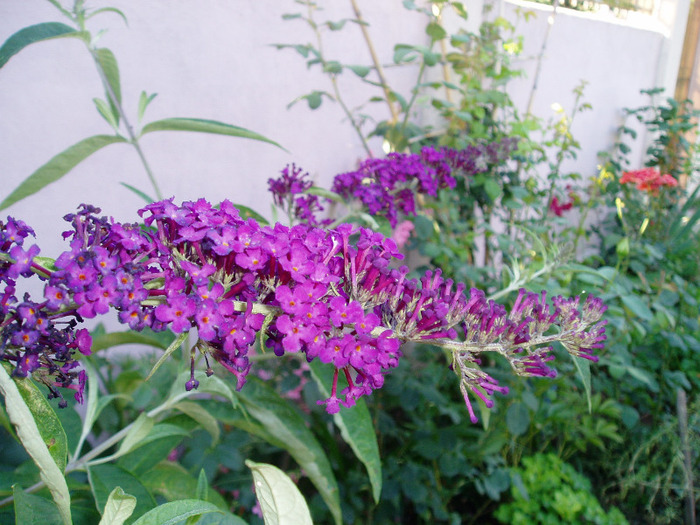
110,108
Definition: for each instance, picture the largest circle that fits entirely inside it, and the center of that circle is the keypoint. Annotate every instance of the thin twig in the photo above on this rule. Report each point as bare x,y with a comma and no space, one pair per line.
375,60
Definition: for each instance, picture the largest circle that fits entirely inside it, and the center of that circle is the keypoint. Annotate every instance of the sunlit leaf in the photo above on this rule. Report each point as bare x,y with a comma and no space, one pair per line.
356,428
28,433
120,506
280,501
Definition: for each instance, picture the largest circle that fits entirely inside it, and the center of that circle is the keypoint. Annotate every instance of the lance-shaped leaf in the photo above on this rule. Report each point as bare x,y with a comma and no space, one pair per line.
58,166
138,192
204,126
584,369
107,62
28,433
280,500
34,510
356,427
37,33
47,421
176,512
284,427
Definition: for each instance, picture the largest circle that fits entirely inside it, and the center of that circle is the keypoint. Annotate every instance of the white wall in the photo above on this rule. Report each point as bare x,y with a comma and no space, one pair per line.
212,59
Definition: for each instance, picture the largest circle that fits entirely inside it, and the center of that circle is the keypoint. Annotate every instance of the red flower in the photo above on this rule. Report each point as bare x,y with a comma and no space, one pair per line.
648,179
559,208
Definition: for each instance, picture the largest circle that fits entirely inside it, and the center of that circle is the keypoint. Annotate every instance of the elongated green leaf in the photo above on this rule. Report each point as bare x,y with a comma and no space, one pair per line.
584,369
104,109
175,512
108,10
107,62
137,433
144,100
280,500
144,458
285,428
112,339
34,510
245,212
202,486
138,192
119,508
168,351
37,33
323,192
105,478
201,416
637,306
207,385
204,126
58,166
28,433
173,482
92,405
50,428
356,428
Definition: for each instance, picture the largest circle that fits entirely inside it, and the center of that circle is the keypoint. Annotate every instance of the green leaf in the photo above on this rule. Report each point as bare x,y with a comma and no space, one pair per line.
120,506
323,192
637,306
30,436
280,500
284,427
356,428
245,212
138,431
108,10
334,67
204,126
492,189
37,33
360,71
34,510
138,192
168,351
201,416
155,448
144,101
202,486
105,478
435,31
58,166
103,108
92,404
173,482
314,99
108,64
50,428
127,338
175,512
584,370
517,418
207,385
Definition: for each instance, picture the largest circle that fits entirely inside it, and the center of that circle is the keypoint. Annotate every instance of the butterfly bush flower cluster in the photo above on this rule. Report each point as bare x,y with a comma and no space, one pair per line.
289,193
391,185
335,295
38,337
